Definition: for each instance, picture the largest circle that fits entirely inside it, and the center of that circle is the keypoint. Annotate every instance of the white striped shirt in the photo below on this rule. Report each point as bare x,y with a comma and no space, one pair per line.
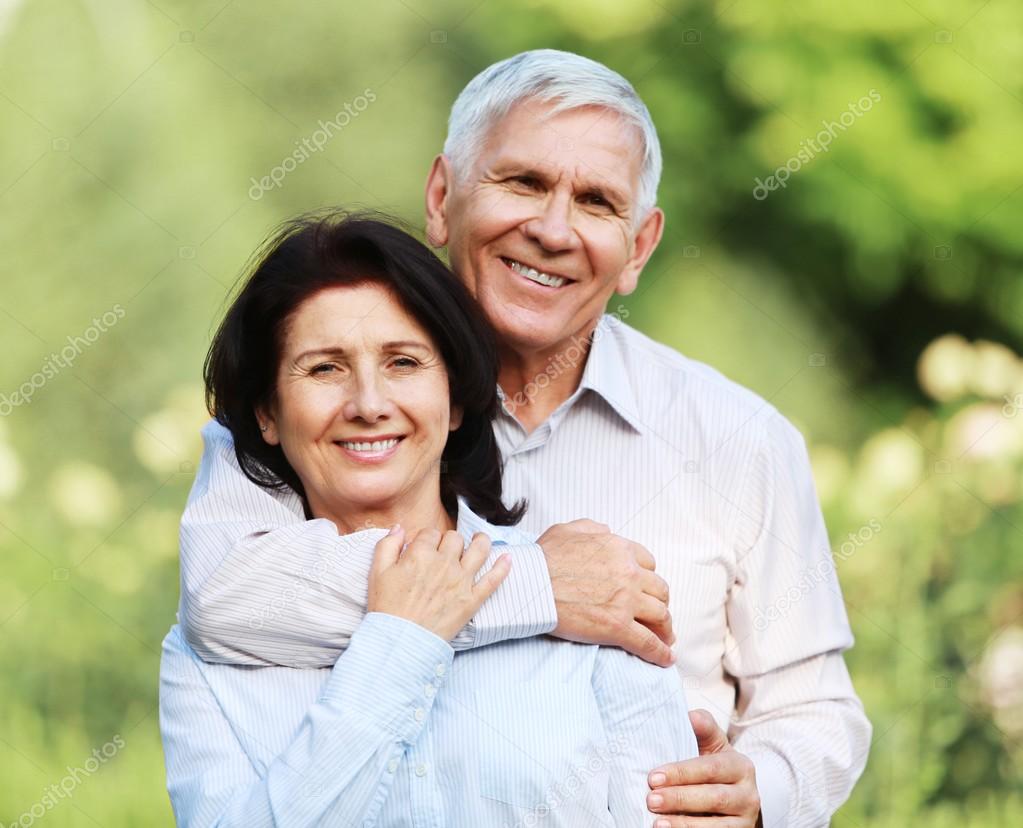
705,474
401,731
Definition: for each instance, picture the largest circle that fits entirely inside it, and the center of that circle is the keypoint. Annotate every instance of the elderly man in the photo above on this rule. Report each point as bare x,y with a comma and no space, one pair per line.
545,197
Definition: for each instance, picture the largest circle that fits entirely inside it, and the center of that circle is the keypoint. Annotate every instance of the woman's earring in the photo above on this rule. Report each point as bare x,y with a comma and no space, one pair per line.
264,428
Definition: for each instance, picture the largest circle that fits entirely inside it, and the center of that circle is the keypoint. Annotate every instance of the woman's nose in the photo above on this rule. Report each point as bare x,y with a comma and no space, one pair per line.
369,399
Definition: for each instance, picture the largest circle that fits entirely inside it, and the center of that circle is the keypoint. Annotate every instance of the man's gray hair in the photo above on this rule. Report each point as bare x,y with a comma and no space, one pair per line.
566,80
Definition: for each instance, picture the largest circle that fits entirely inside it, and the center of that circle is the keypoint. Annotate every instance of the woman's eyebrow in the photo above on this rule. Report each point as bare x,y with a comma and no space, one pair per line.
405,343
337,350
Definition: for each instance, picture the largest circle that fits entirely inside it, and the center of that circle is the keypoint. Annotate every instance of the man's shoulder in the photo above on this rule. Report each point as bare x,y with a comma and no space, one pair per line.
704,390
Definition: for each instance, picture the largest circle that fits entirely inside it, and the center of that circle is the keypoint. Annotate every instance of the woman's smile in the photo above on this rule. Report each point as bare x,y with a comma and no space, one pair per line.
371,449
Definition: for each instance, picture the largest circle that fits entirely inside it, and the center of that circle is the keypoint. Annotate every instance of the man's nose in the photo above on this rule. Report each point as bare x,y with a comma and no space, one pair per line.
368,399
552,229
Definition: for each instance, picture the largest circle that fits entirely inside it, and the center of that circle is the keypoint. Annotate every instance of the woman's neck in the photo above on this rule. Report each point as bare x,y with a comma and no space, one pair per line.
412,516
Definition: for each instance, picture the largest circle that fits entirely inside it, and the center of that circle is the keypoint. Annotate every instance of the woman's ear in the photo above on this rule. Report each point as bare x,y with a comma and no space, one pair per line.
268,426
457,412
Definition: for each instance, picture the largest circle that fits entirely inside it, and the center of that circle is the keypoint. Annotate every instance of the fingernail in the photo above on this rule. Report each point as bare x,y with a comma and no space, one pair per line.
395,529
658,779
655,800
662,823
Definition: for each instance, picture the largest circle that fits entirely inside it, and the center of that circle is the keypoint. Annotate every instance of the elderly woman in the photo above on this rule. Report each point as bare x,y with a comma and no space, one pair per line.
356,372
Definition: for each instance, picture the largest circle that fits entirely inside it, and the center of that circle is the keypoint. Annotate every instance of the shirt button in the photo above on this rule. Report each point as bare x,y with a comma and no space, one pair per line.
441,670
420,770
392,766
430,691
420,714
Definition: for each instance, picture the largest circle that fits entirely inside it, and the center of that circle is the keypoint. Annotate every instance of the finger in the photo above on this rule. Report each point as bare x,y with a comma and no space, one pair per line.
668,821
488,584
476,554
712,769
452,545
654,585
720,800
709,737
655,615
425,541
388,548
641,641
642,556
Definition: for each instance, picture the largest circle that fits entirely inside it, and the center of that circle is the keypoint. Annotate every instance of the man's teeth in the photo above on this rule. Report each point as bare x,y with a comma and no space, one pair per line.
380,445
536,275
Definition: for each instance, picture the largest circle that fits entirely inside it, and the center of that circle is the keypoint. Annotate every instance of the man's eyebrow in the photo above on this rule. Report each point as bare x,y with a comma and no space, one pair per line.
601,188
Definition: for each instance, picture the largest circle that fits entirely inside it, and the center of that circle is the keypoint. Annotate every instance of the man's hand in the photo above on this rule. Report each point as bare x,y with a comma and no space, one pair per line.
718,789
606,591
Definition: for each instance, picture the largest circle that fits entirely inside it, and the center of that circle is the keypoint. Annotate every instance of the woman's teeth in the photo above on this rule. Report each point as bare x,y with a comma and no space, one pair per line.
535,275
380,445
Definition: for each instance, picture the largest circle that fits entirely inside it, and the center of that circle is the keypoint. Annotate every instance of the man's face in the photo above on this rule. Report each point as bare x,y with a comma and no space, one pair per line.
543,229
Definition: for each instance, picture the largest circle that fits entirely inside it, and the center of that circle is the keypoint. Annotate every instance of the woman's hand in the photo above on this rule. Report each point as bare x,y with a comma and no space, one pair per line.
431,582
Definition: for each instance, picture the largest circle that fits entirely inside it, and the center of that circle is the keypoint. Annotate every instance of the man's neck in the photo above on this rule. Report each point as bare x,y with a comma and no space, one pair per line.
535,383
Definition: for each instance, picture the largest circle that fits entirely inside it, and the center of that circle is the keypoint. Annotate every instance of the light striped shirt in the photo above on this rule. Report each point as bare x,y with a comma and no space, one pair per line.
667,452
262,585
402,732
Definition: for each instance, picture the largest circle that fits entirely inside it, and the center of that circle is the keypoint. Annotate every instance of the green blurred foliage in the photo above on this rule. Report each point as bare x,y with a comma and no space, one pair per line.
133,133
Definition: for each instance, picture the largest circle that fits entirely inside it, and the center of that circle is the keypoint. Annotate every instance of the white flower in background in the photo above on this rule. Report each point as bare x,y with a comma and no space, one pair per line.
1001,679
981,432
945,367
995,371
891,461
168,440
84,494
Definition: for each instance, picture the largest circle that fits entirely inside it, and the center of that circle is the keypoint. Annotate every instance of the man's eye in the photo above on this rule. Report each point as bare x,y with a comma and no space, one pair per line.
596,200
526,181
324,368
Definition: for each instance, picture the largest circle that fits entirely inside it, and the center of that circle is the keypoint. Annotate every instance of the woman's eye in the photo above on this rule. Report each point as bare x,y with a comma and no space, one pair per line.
404,362
325,368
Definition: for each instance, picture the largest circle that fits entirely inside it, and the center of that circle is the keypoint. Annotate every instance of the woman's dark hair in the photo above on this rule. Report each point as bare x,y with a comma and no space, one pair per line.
334,249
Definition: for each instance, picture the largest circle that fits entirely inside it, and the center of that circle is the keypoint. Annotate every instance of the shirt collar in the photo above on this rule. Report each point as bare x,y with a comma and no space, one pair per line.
469,523
606,373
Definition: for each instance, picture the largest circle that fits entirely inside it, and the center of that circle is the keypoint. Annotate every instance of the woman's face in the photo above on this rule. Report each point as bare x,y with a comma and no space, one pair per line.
362,409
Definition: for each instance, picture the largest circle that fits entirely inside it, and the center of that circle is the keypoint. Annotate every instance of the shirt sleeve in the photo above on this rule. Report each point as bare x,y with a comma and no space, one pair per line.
340,764
646,720
797,716
261,585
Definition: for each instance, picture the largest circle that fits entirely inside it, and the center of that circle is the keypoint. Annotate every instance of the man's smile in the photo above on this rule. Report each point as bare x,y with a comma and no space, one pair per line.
540,277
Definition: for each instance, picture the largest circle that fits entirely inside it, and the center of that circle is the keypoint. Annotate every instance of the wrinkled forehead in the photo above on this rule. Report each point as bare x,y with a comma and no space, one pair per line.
587,141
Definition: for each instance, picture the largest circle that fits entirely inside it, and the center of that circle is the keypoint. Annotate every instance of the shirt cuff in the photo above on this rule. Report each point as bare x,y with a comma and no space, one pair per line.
774,784
390,673
523,606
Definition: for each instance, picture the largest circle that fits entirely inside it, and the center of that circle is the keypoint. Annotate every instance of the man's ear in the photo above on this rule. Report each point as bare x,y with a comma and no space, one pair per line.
647,238
268,425
438,185
457,413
